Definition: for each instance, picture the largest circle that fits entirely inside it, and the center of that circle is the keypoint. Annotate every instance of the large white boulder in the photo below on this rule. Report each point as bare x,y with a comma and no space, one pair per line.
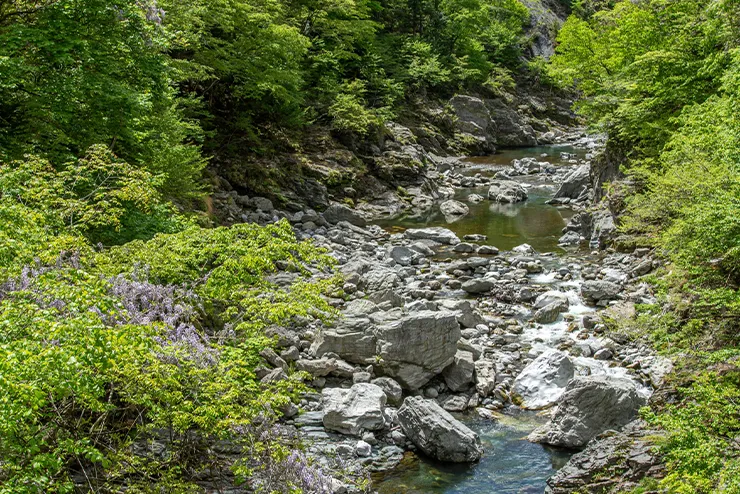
590,406
350,411
542,382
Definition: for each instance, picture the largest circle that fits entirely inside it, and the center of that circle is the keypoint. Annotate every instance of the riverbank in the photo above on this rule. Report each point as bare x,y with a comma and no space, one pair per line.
472,328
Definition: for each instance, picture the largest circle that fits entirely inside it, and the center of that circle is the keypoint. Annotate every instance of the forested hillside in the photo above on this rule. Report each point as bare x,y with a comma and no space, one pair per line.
663,79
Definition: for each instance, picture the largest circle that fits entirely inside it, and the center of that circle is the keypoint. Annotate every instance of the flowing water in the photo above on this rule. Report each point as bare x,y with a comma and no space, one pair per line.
511,464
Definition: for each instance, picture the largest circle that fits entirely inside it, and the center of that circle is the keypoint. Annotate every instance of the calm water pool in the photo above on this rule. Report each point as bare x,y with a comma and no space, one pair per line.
506,225
511,464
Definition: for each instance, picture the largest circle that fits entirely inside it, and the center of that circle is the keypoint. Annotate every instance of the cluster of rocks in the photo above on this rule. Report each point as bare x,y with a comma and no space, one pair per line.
422,336
408,331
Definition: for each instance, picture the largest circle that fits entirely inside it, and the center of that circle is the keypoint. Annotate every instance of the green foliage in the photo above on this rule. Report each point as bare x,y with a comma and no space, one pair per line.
350,113
700,446
662,78
93,364
78,73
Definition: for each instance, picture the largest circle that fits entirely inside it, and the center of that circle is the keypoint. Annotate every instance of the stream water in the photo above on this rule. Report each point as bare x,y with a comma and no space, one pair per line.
506,225
511,464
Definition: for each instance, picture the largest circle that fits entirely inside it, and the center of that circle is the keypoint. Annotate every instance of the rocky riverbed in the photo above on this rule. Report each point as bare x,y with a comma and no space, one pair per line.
449,326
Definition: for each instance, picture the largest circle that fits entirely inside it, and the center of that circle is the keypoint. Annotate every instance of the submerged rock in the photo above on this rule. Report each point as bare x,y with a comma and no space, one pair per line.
437,433
590,406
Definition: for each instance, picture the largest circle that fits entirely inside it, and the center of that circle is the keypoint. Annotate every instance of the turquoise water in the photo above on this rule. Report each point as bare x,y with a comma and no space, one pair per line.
511,464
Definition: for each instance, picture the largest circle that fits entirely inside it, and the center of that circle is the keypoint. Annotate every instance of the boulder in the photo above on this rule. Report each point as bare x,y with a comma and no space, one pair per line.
590,406
549,313
574,183
511,129
485,377
475,123
553,296
478,285
380,278
460,373
506,191
339,212
543,381
454,208
436,233
598,290
417,347
351,340
350,411
436,433
392,390
403,255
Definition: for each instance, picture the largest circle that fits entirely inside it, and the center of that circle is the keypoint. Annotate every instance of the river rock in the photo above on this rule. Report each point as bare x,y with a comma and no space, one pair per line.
350,340
485,377
598,290
339,212
574,183
459,375
478,285
436,433
590,406
548,314
454,208
507,191
403,255
550,297
418,346
543,381
392,390
612,462
350,411
436,233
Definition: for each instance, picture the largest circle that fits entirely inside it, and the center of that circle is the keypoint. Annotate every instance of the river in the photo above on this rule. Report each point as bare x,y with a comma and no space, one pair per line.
511,464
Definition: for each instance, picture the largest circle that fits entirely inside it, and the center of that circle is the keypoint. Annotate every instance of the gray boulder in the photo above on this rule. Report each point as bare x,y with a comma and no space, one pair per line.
474,122
598,290
351,340
543,381
548,313
339,212
403,255
391,388
478,285
507,191
459,375
438,434
350,411
485,377
574,183
454,208
417,347
436,233
590,406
